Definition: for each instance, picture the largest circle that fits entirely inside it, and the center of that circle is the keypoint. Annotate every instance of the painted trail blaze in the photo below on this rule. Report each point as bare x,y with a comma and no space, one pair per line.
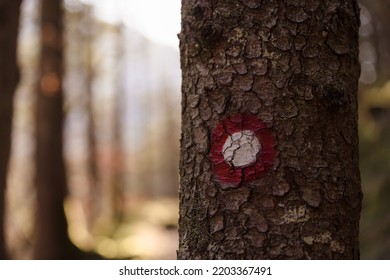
242,148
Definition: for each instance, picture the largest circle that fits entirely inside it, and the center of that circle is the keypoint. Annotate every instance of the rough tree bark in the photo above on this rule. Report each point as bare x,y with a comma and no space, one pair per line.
52,241
285,74
9,76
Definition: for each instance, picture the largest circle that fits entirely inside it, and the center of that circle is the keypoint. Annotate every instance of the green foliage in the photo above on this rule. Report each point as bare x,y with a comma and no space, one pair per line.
374,164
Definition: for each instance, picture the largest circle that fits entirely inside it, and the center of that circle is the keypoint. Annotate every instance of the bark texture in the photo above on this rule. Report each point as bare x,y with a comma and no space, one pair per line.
294,65
9,76
52,241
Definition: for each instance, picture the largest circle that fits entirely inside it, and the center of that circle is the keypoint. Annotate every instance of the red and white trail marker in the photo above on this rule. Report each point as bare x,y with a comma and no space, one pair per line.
242,148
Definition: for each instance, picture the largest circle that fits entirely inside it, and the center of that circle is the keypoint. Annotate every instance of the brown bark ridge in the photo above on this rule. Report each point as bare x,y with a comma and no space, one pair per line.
51,240
293,65
9,76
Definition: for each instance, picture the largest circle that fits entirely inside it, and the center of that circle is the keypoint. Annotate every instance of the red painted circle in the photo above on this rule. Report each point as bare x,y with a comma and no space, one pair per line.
229,174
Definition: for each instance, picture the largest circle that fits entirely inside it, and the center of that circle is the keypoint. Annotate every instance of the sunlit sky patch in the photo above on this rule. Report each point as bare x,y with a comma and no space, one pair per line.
156,19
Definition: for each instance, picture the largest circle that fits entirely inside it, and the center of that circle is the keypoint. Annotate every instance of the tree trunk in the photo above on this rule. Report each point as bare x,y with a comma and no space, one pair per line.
118,176
380,20
9,76
52,241
94,194
269,151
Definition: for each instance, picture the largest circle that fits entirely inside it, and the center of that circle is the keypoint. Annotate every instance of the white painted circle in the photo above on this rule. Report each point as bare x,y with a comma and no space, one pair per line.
241,148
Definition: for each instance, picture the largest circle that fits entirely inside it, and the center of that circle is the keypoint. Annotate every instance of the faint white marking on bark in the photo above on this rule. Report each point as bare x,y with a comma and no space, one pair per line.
295,215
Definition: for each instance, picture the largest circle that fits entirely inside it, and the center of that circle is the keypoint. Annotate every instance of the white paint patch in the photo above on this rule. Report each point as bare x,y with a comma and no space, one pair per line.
241,148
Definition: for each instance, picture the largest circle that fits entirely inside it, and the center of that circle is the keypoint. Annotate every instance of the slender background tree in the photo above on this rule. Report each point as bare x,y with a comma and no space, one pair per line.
52,241
278,79
9,76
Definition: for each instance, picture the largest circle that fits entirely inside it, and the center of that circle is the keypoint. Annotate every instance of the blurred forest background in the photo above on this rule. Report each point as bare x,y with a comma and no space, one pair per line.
122,129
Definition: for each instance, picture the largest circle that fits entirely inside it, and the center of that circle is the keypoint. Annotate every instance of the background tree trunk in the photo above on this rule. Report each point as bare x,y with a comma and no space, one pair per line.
52,241
94,196
292,65
118,177
9,76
